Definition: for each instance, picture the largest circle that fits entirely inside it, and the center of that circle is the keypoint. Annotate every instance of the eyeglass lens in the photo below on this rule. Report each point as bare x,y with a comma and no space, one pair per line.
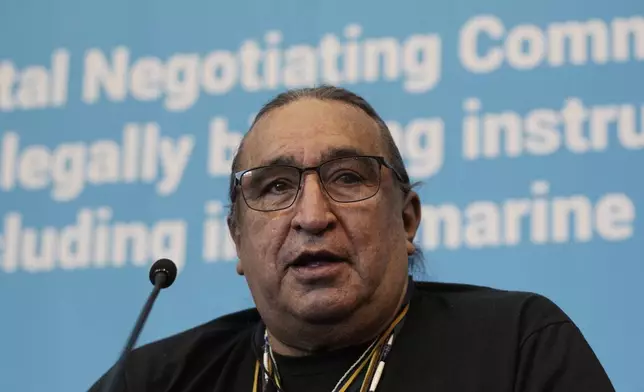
345,180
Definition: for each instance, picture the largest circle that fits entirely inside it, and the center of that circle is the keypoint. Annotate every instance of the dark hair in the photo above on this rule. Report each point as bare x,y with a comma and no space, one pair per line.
325,93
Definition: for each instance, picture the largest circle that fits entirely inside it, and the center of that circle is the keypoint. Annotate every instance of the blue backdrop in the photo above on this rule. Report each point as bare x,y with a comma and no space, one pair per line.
524,120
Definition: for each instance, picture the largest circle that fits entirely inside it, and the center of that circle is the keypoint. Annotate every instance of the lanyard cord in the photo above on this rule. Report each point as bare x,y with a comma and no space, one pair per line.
368,353
376,354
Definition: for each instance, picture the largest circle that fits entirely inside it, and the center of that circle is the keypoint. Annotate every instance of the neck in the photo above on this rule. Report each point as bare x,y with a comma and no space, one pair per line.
311,339
324,343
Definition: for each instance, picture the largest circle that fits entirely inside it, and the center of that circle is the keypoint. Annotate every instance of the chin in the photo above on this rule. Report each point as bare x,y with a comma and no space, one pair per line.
320,308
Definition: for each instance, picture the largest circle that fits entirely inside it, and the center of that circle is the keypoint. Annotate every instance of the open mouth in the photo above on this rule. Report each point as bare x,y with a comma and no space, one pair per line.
316,259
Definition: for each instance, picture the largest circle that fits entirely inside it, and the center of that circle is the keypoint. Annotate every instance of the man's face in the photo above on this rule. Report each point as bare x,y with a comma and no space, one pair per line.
372,238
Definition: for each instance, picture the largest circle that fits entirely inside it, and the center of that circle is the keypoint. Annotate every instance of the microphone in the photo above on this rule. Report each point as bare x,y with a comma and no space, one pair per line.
162,274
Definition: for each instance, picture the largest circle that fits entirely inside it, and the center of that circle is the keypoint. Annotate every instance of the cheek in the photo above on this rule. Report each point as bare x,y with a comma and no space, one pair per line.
259,245
374,232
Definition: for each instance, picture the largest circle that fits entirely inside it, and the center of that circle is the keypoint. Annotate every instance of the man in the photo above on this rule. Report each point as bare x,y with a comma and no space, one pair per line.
323,217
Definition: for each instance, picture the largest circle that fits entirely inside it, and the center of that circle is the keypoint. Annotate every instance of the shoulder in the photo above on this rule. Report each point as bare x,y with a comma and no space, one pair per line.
523,340
214,343
524,312
219,334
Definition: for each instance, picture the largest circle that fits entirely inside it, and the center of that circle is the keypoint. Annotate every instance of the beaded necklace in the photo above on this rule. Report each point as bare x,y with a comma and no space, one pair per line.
374,358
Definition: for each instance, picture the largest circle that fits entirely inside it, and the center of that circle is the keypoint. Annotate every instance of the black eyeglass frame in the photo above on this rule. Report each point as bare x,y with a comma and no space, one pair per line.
379,159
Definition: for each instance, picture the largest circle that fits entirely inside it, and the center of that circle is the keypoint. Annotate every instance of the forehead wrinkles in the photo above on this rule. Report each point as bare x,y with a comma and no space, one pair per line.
282,128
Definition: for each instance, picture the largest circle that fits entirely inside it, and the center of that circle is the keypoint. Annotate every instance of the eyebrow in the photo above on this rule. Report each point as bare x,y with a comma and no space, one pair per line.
333,153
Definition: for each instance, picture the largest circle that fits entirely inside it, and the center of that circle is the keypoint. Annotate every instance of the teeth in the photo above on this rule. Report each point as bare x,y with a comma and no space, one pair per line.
316,263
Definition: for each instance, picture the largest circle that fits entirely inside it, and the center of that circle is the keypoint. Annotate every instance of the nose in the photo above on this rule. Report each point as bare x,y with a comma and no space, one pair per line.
313,214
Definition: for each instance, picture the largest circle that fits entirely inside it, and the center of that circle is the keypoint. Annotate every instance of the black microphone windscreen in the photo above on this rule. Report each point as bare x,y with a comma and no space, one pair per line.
166,267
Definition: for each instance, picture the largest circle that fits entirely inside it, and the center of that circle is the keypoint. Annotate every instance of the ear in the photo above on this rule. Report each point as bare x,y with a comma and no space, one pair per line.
239,268
233,230
411,215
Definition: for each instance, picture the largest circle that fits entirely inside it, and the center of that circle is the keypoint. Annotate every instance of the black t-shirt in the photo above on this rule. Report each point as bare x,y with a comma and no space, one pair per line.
455,338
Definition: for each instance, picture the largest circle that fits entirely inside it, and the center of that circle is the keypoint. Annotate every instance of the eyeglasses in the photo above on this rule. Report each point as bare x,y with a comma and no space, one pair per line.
345,180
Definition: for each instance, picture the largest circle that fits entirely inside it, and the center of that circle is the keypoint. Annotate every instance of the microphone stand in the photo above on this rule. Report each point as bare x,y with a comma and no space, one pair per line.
161,280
